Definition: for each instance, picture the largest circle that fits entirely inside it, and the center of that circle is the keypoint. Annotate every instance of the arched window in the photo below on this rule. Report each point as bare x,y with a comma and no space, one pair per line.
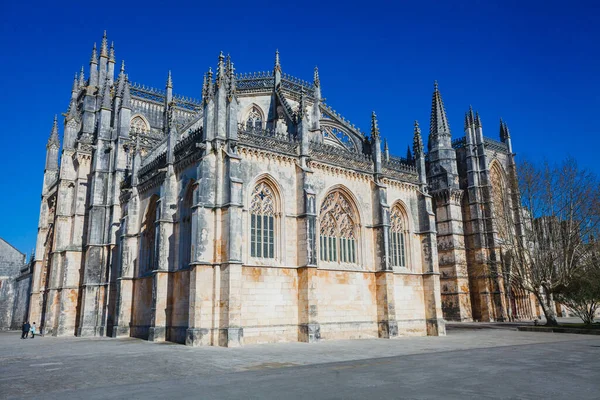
502,216
338,234
139,125
399,234
149,237
185,228
262,222
254,119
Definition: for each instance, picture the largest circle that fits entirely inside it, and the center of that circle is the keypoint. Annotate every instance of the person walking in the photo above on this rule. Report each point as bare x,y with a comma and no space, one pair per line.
25,330
32,330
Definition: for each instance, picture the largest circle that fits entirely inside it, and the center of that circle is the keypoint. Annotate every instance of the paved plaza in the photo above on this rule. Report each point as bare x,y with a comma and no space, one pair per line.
468,363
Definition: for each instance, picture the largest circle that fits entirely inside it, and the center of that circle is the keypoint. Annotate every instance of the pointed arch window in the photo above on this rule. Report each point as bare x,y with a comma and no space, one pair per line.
138,125
254,119
398,233
262,222
338,230
150,237
185,229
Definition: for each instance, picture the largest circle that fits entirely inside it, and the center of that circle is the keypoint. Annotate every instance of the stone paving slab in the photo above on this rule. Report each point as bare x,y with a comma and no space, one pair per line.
47,366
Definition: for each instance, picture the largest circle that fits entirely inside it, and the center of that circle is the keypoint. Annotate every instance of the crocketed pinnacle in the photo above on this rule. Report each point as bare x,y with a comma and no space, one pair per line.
126,102
122,66
75,87
53,139
417,140
302,105
121,80
374,125
277,64
409,155
438,123
231,90
385,145
220,69
104,46
169,81
106,97
94,58
504,132
477,120
81,78
111,56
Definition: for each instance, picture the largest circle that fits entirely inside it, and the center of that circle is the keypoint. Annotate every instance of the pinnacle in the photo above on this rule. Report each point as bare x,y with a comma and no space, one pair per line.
417,140
169,81
316,77
374,125
94,59
277,63
122,66
53,139
438,120
112,52
104,46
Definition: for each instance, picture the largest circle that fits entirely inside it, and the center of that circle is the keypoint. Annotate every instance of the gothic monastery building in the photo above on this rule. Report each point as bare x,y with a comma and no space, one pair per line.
260,214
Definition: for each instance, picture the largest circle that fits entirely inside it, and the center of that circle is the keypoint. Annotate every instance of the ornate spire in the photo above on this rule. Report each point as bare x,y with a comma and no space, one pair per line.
122,67
477,120
53,139
81,78
409,156
417,141
209,78
169,81
111,56
277,64
374,126
94,58
316,80
385,145
438,120
104,46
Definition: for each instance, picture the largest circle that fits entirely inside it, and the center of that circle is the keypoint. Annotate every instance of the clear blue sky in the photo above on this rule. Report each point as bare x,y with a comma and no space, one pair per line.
535,64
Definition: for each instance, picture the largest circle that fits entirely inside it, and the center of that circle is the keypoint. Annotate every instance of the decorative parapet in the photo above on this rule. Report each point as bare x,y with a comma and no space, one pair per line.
400,164
295,85
254,82
341,157
267,139
147,93
495,145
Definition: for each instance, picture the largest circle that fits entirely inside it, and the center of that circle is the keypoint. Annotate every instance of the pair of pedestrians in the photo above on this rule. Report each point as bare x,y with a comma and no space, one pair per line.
27,329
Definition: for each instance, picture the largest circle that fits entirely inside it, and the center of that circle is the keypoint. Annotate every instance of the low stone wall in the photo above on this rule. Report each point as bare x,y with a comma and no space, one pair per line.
558,329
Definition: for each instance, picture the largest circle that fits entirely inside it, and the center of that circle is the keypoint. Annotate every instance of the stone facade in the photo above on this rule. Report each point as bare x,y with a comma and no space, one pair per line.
15,281
257,214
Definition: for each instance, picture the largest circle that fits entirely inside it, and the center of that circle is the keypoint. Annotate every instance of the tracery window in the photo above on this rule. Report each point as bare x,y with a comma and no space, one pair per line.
338,230
338,137
254,119
262,222
398,233
138,125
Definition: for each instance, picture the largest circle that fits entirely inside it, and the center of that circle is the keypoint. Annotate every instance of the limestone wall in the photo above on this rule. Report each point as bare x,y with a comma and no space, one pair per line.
141,315
269,304
11,262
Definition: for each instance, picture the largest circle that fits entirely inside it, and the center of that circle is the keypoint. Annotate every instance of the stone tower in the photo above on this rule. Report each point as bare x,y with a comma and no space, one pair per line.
443,179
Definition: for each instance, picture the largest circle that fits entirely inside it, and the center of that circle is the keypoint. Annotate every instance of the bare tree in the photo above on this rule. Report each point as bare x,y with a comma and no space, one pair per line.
545,242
